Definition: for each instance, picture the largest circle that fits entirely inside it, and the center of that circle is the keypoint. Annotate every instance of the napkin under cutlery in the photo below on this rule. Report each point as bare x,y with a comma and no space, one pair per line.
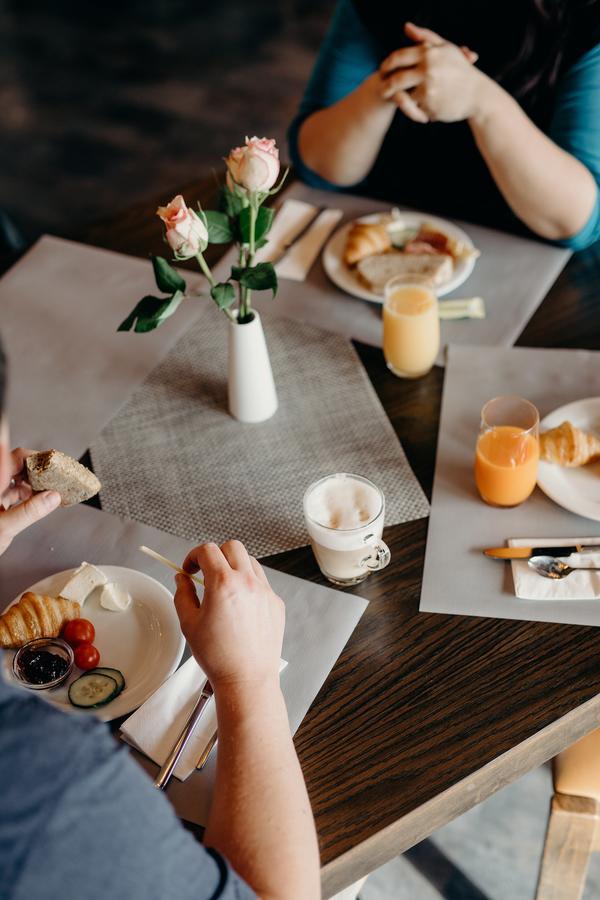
576,586
289,222
156,725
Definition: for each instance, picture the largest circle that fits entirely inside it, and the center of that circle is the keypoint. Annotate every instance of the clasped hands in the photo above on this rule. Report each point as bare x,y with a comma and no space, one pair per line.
433,80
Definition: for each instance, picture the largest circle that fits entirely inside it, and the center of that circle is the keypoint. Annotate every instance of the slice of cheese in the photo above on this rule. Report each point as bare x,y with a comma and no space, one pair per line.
82,582
115,597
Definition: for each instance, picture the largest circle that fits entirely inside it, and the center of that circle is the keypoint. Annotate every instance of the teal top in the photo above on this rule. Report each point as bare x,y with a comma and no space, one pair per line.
350,53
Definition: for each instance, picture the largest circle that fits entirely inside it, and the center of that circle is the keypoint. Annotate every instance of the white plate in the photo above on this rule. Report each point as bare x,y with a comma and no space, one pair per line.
577,490
145,642
344,278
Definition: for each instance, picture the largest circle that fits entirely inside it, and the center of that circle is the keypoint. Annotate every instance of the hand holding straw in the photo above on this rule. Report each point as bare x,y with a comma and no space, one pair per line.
171,564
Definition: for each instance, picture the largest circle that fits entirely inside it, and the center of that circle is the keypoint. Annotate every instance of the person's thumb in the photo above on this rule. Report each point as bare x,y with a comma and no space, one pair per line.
19,517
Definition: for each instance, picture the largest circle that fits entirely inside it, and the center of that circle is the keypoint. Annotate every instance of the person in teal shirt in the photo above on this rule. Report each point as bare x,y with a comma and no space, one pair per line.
483,111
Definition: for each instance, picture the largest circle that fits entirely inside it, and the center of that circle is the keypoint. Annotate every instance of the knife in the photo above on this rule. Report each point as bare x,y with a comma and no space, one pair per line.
526,552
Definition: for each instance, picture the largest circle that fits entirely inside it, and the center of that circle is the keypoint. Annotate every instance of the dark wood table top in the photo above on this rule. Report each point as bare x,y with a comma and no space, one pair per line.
424,715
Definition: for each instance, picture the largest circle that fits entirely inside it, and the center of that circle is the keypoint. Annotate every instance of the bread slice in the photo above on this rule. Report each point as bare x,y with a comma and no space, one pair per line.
51,470
375,271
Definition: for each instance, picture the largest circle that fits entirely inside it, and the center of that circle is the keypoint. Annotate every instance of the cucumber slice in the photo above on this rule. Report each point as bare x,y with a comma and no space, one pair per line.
92,690
112,673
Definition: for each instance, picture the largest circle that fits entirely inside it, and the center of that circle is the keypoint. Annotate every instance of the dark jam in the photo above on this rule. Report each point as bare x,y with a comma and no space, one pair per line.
41,666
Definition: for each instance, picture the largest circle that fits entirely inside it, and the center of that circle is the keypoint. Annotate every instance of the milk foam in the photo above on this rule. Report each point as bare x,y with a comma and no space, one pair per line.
341,503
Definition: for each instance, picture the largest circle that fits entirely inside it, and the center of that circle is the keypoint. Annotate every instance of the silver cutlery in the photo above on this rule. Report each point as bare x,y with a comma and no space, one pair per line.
206,752
163,777
550,567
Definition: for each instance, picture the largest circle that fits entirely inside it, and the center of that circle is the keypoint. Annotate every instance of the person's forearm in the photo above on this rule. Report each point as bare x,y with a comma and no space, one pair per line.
260,817
546,187
340,143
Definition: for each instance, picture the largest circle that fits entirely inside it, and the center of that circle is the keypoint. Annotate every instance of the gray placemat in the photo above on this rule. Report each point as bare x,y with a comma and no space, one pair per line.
457,577
513,275
318,620
70,370
175,459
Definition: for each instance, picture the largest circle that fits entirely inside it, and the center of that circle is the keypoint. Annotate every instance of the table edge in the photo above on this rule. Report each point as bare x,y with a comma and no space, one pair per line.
421,822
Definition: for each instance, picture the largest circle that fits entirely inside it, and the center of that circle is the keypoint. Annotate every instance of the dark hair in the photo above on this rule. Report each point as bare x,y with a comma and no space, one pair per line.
525,45
2,379
555,34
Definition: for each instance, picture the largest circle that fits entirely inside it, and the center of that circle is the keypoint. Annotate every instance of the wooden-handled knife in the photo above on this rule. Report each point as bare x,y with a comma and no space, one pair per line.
526,552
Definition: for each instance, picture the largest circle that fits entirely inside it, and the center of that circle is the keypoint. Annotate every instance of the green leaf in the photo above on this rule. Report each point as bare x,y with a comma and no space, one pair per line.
167,279
223,294
151,312
219,229
261,277
264,220
232,204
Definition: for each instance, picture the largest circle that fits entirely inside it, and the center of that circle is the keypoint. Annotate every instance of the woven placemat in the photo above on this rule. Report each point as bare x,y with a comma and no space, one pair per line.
173,457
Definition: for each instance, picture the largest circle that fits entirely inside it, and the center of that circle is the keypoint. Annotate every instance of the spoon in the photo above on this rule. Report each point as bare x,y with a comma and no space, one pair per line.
550,567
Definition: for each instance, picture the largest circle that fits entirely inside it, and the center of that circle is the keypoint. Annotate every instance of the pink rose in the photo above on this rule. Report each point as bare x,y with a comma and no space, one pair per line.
186,233
254,167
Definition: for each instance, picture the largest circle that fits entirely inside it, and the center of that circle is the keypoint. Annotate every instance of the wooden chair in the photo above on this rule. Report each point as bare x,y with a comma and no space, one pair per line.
574,824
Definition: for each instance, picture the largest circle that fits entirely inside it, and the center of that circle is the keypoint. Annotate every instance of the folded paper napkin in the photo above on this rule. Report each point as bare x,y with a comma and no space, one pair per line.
293,216
156,725
577,586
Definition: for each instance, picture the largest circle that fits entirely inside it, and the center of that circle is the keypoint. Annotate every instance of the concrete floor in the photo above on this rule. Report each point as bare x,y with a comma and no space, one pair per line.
105,103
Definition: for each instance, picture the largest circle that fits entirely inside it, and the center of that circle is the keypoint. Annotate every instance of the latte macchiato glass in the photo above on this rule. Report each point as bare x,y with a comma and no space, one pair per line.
344,518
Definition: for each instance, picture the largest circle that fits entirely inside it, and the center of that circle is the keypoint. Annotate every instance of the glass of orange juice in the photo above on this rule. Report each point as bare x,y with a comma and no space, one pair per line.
411,326
507,453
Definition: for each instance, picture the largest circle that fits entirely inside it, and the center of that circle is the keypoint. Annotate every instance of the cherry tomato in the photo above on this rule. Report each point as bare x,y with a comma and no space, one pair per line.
79,631
86,656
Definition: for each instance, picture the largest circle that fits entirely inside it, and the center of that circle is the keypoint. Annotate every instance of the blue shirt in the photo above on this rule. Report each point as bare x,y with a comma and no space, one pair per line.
79,818
349,54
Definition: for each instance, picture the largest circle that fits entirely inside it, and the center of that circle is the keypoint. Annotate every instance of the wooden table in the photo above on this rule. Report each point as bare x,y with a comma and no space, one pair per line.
426,715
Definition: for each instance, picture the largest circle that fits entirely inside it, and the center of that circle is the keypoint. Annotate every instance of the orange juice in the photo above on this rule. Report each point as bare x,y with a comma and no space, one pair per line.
506,462
411,330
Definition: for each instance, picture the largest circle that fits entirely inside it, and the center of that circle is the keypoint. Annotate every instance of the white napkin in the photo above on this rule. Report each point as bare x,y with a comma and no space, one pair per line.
577,586
293,216
156,725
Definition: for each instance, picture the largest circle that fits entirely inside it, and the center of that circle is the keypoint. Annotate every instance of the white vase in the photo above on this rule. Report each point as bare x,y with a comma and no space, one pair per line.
251,389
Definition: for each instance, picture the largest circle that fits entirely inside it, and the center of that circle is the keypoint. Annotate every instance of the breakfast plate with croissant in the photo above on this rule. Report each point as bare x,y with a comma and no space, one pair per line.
362,255
137,640
569,469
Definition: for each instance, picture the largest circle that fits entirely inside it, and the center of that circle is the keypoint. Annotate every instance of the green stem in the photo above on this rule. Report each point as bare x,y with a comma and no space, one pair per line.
211,280
251,250
204,266
241,288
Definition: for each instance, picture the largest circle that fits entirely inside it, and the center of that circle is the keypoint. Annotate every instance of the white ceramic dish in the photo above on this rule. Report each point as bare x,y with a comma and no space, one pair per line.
145,642
577,490
344,278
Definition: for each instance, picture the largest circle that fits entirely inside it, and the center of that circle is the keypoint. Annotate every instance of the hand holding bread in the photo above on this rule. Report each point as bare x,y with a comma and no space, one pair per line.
40,482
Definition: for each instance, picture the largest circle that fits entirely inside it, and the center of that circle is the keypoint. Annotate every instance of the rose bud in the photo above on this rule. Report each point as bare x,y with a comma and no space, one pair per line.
255,167
185,231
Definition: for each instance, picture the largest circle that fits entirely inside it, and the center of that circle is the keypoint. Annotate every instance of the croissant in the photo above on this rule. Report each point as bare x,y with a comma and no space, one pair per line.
569,446
364,240
35,616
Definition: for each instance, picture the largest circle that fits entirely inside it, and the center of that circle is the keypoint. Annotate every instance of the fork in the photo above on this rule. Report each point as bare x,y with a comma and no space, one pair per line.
163,777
